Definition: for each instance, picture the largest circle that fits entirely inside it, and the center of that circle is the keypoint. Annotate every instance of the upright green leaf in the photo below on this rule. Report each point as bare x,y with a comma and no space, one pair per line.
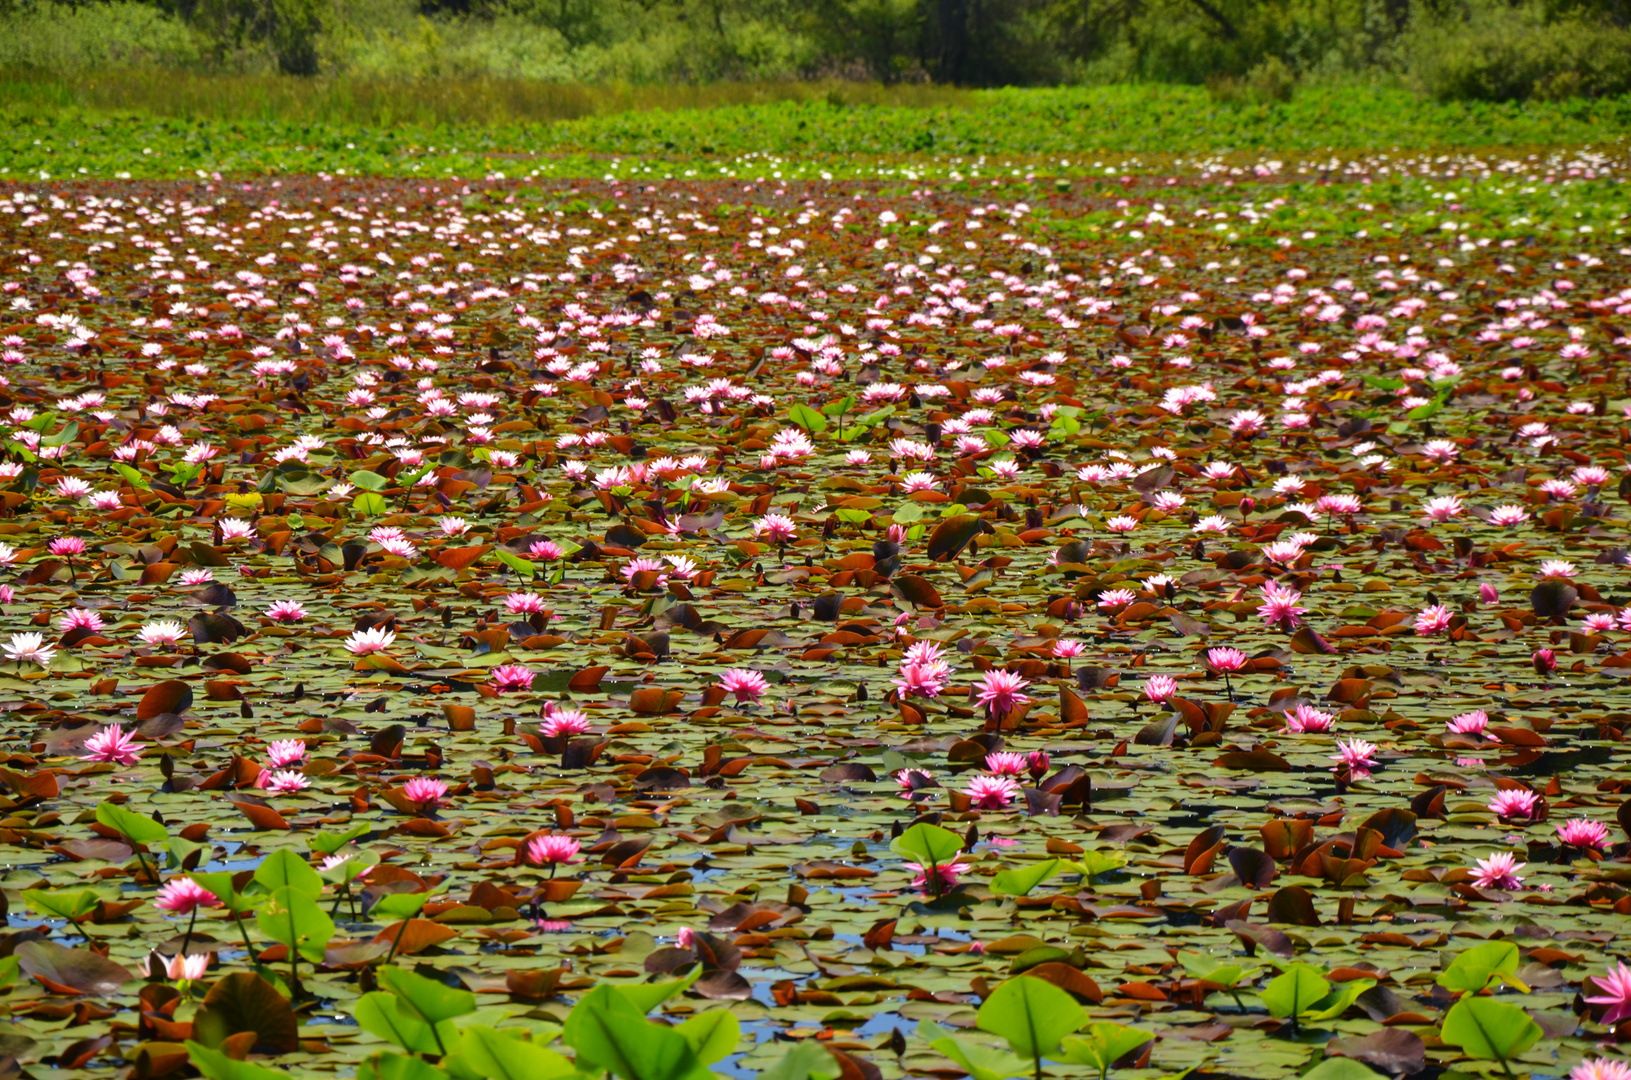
1490,1030
137,828
285,868
220,883
485,1054
398,1067
1291,993
807,418
344,873
62,904
928,845
713,1035
980,1062
133,476
292,918
217,1066
370,504
427,999
399,905
1474,970
1021,881
378,1014
1210,968
610,1033
524,567
1103,1044
328,843
647,996
1033,1015
1335,1003
178,851
807,1060
62,438
1090,864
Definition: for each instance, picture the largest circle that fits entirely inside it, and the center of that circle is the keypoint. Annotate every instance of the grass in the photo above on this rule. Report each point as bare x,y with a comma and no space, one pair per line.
427,102
143,125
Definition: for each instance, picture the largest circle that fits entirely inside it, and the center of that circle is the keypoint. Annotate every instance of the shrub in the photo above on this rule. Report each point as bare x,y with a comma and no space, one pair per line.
1511,54
64,38
1267,83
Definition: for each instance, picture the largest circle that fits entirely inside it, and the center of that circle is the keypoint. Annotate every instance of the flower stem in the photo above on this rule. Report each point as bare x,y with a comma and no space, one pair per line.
187,938
244,930
392,954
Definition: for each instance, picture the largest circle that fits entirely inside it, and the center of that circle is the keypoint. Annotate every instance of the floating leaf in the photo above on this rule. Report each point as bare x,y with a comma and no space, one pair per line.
77,970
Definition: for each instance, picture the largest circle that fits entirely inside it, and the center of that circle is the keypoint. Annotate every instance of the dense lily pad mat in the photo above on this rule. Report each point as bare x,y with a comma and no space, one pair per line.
1204,594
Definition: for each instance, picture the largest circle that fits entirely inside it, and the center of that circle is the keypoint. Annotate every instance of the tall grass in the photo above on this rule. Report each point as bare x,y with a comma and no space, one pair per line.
382,102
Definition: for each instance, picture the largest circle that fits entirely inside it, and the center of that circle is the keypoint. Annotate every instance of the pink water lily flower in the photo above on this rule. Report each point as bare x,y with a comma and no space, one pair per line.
1475,722
1499,871
747,685
1514,805
372,640
181,896
1355,755
512,677
285,782
776,528
1305,719
947,873
425,792
1005,763
1433,620
1001,692
551,851
1583,833
282,753
991,792
180,968
113,744
1280,608
1160,688
1614,990
286,611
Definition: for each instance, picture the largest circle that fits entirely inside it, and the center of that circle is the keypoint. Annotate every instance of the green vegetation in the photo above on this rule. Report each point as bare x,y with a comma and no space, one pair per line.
1242,50
966,134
